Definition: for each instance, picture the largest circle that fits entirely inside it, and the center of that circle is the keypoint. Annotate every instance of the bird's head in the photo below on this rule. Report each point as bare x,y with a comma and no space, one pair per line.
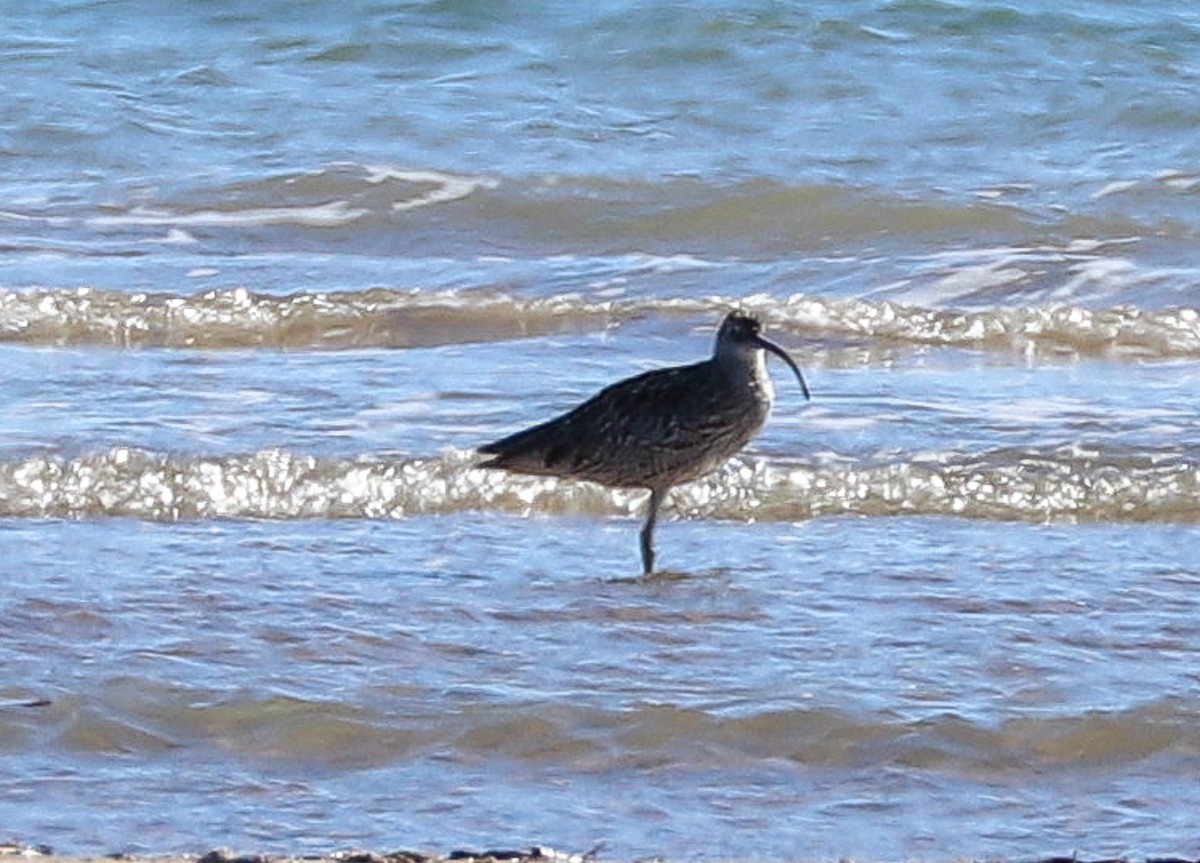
741,332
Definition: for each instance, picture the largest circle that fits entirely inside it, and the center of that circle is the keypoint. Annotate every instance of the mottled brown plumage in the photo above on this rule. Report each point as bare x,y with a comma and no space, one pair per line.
660,428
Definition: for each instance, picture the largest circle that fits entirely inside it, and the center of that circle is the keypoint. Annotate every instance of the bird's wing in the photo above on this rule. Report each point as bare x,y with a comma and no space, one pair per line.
651,409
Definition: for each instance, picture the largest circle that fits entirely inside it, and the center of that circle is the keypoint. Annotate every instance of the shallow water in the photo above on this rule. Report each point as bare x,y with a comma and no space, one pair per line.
299,683
268,276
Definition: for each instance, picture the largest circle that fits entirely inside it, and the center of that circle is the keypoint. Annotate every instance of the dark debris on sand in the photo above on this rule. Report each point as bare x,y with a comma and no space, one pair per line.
535,854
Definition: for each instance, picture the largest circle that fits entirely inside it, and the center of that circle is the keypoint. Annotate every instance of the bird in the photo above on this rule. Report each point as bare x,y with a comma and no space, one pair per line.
660,428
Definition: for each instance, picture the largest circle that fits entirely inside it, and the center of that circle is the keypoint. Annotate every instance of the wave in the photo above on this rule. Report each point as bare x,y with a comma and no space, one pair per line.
386,210
333,196
132,716
1034,486
393,318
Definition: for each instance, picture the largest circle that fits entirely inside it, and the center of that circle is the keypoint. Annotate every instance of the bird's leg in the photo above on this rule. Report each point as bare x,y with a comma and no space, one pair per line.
656,496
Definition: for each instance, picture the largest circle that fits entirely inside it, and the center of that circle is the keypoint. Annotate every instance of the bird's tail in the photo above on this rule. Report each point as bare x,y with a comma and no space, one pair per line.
527,451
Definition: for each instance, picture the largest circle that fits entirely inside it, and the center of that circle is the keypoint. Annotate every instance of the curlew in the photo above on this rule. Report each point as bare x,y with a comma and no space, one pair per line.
660,428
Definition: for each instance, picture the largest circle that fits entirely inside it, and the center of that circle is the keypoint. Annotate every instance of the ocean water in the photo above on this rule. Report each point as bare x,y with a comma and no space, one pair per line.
269,272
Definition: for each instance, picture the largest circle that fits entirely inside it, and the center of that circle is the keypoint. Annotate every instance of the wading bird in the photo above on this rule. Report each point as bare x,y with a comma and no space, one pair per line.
660,428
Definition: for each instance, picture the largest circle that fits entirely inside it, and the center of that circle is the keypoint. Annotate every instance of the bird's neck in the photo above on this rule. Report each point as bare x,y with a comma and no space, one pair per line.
762,380
748,369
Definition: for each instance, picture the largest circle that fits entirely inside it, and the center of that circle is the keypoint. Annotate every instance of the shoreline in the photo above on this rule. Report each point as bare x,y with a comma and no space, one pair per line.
11,852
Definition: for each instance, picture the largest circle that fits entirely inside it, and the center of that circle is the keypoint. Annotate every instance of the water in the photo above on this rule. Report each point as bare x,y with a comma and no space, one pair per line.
267,275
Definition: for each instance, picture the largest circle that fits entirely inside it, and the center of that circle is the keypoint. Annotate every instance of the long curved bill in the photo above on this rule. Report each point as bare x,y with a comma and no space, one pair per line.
768,345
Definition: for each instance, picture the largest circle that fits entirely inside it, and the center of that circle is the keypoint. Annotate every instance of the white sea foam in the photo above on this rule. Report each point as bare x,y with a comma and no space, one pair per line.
329,215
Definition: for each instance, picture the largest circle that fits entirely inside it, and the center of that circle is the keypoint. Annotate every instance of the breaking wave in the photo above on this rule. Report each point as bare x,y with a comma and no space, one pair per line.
1059,486
240,318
